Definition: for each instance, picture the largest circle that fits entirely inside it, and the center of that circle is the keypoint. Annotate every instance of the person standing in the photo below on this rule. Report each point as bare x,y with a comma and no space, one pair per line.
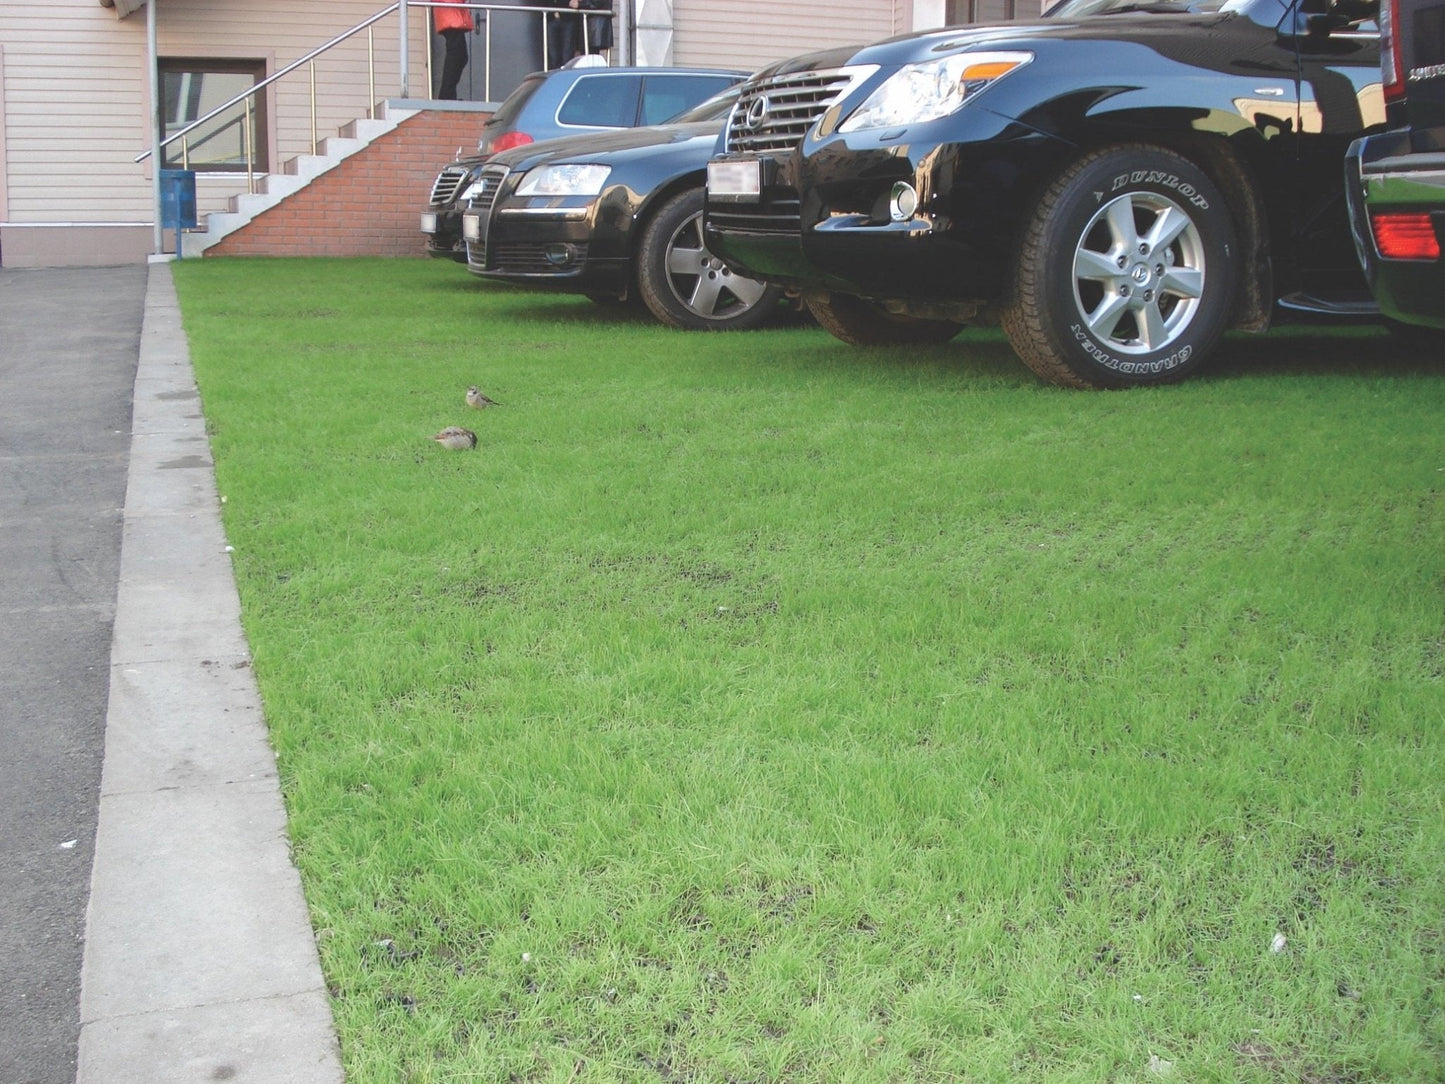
564,29
453,26
599,27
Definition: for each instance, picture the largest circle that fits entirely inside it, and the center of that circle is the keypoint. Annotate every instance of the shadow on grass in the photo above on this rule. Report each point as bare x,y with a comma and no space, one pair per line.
983,352
1359,351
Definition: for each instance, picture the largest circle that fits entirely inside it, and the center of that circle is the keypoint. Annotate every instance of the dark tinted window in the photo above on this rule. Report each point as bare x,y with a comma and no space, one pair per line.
668,95
607,101
715,108
506,114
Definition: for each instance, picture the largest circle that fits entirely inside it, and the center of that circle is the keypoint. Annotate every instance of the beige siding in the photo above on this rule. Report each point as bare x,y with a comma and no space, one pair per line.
77,95
751,33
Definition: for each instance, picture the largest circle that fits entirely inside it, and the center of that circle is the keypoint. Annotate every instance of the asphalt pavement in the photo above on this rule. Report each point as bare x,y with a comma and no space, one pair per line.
68,348
152,925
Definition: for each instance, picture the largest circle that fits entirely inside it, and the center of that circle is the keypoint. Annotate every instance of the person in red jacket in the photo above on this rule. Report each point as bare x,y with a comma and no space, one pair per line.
453,26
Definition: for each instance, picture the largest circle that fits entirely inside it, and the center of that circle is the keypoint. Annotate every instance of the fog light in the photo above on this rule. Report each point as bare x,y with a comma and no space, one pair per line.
561,254
902,202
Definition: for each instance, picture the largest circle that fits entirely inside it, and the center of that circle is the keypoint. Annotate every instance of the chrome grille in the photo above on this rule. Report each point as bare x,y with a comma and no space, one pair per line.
444,189
782,216
476,255
489,186
776,114
490,183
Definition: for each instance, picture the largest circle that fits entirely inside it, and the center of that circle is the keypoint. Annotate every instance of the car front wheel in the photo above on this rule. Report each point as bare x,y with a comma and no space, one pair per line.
1124,275
684,285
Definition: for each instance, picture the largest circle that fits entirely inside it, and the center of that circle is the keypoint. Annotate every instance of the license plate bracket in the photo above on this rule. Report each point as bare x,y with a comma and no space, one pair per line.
738,180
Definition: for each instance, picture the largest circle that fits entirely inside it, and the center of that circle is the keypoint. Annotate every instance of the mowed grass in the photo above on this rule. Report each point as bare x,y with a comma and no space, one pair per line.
755,708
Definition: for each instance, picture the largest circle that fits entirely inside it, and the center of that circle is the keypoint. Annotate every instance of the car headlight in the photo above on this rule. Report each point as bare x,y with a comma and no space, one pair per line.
564,180
923,92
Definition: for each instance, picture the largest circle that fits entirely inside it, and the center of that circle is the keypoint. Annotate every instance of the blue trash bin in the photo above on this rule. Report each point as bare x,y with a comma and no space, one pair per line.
178,199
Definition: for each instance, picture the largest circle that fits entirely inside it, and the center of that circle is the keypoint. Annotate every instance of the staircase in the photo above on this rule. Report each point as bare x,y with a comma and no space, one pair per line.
297,174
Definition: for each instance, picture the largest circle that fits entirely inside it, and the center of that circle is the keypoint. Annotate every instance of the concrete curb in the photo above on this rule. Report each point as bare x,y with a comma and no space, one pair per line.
200,962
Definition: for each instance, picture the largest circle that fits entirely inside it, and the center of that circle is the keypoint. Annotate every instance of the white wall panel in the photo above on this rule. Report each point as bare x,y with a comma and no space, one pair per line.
751,33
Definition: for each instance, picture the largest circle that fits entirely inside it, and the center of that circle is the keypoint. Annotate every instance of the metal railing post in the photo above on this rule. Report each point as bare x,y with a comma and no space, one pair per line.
370,74
313,107
158,119
405,48
250,148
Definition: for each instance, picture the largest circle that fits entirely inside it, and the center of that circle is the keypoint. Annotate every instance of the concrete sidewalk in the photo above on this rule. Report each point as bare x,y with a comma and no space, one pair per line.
200,963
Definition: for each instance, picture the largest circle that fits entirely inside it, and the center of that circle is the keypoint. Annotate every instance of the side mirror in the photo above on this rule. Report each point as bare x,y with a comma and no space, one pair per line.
1338,15
1353,11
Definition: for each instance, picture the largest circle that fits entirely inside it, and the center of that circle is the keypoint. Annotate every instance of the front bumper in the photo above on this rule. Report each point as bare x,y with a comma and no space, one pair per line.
1383,174
548,243
442,228
822,221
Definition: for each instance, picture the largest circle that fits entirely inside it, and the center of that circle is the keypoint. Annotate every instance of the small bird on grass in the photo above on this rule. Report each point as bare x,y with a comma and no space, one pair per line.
456,438
476,399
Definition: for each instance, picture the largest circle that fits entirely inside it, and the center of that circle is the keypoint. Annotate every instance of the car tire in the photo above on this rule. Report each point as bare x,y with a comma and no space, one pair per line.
684,285
865,323
1124,276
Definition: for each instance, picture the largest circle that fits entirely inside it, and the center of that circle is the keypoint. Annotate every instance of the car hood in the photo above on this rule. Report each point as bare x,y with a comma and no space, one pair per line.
584,148
1144,28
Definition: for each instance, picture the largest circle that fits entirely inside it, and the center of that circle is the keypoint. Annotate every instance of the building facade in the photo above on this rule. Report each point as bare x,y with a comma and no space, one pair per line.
78,94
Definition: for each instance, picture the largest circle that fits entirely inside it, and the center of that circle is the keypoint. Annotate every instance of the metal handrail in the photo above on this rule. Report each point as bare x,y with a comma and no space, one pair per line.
542,10
252,91
367,24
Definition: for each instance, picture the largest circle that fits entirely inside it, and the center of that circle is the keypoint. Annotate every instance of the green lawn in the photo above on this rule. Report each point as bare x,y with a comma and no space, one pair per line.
755,708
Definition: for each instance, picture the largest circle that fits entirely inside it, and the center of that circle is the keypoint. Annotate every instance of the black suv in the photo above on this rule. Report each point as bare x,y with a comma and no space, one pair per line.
1119,181
1396,180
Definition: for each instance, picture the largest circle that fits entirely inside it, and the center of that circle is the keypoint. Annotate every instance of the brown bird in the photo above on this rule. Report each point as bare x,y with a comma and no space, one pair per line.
475,398
456,438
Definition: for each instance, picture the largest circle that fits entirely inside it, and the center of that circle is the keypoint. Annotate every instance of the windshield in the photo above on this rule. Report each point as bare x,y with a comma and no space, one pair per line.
714,108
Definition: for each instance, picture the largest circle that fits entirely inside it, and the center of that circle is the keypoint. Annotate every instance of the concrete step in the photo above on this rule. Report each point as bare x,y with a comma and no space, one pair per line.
282,184
307,165
366,129
253,203
295,175
337,147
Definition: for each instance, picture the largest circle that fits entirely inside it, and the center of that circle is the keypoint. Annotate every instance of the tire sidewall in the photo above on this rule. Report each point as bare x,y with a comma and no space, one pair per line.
1111,176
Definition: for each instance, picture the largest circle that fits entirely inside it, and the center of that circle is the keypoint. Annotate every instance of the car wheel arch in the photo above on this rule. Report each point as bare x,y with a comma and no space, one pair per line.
1128,272
1229,165
654,200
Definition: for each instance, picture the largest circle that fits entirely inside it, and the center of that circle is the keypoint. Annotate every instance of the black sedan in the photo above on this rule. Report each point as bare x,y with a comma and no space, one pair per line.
1120,181
614,216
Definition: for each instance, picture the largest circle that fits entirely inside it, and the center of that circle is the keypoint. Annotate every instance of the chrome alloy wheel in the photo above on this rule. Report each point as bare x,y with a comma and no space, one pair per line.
1139,273
701,281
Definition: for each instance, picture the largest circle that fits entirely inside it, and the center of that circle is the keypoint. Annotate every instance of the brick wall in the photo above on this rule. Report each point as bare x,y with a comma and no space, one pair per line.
369,204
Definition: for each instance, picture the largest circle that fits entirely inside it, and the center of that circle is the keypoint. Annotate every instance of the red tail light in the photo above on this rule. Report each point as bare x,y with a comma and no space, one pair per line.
510,140
1405,236
1392,66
